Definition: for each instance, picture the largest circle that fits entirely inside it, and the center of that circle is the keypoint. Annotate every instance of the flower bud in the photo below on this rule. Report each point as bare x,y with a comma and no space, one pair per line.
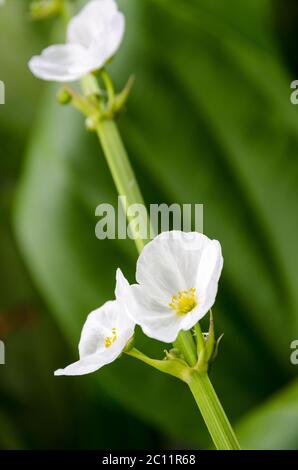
64,96
42,9
90,124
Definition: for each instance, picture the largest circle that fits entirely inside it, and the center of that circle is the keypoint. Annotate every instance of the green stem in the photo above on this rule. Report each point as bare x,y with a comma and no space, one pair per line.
89,85
108,84
122,174
214,416
186,345
118,162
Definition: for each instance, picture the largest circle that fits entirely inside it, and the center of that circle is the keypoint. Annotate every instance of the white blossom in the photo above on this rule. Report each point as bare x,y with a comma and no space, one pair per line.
104,336
177,279
93,37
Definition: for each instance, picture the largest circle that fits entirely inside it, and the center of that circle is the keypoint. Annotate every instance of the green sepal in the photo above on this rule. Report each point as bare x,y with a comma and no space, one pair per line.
217,347
207,346
129,345
121,98
211,341
170,365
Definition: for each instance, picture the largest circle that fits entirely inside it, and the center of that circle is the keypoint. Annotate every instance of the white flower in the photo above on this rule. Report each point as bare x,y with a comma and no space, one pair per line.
93,37
177,275
104,336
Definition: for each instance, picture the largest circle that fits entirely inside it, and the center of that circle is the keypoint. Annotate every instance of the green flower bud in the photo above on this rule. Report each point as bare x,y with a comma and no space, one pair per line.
64,96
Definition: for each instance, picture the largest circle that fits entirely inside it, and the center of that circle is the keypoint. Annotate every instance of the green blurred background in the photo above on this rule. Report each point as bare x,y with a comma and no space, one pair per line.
209,121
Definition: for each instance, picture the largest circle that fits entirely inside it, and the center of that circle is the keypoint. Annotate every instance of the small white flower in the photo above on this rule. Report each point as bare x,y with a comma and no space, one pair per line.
93,37
104,336
177,275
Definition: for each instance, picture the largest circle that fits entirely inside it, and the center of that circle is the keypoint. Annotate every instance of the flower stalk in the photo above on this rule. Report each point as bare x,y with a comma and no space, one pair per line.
121,170
213,413
192,369
115,153
202,389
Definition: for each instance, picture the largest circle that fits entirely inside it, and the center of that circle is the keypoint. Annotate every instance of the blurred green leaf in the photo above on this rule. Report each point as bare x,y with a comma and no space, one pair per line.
209,122
274,424
9,438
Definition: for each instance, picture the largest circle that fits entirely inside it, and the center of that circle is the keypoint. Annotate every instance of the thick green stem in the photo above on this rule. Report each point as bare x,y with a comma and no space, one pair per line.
123,175
214,416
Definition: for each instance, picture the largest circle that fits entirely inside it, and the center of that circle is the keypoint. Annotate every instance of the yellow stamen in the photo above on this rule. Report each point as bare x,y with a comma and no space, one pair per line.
109,340
184,302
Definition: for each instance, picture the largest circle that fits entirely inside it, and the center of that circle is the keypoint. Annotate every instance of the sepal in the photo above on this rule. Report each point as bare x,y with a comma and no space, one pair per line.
171,364
207,346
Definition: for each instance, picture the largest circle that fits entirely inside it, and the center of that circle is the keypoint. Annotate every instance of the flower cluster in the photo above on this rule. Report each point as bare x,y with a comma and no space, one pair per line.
177,277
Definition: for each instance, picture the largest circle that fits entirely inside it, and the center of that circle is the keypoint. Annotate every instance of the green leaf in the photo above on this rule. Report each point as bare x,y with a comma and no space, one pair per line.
272,425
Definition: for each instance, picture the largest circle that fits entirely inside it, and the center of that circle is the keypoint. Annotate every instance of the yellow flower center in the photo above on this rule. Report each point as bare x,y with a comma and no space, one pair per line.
109,340
184,302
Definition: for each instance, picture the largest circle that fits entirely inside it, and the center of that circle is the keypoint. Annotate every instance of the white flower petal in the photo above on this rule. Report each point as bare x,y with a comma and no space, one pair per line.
165,331
169,263
210,266
209,273
190,319
122,285
62,63
107,322
90,23
85,365
161,323
157,321
115,33
99,28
